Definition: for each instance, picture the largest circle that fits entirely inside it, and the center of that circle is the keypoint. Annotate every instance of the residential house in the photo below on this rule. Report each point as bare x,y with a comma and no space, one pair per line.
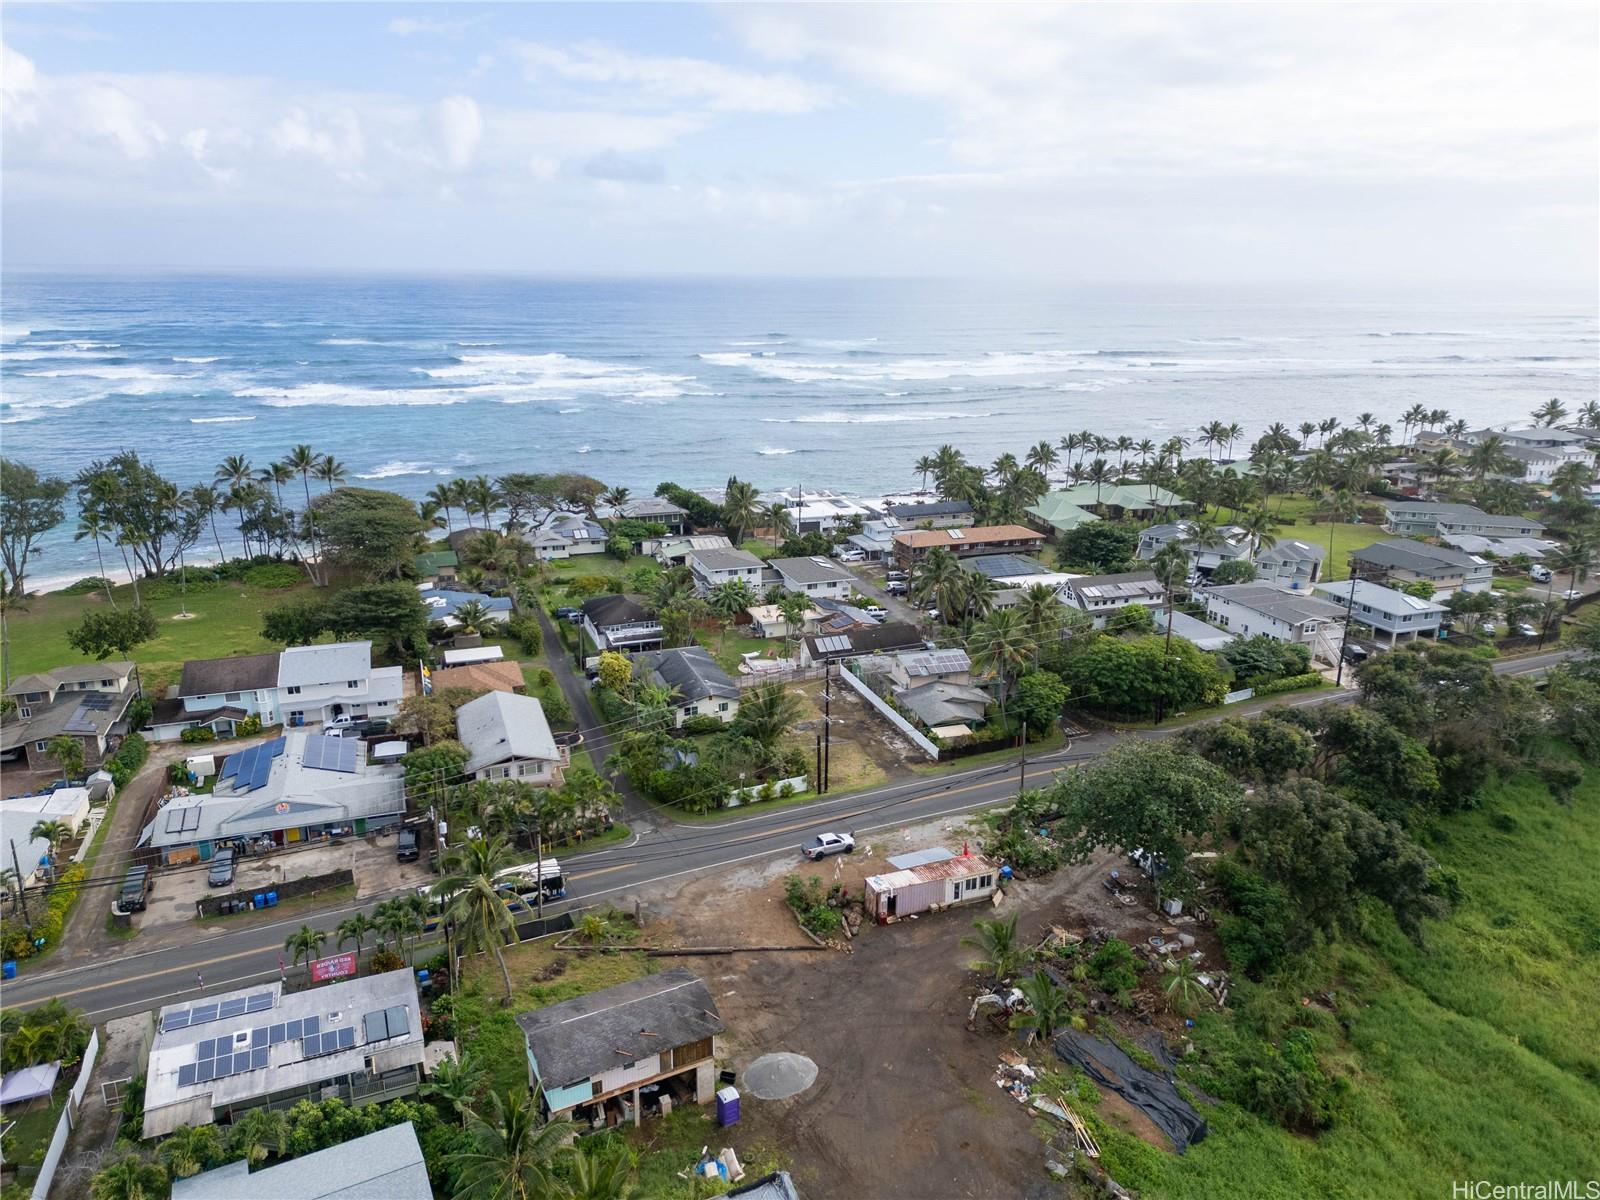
1400,561
767,621
1564,444
1539,467
933,514
218,693
88,702
499,676
1386,611
1289,562
712,568
386,1165
620,622
507,737
1232,545
1191,629
548,545
1429,518
581,533
216,1057
675,551
300,787
775,1186
912,668
468,650
19,849
1063,511
813,577
912,546
876,539
819,511
443,602
592,1056
930,881
698,686
939,705
1014,574
1484,547
434,567
1248,609
858,642
659,511
1102,596
319,683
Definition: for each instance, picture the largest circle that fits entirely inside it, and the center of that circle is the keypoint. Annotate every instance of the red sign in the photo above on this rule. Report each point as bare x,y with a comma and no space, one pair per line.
335,966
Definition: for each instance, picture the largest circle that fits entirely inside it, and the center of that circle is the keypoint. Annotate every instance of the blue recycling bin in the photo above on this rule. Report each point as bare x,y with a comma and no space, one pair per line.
260,900
727,1106
8,970
272,899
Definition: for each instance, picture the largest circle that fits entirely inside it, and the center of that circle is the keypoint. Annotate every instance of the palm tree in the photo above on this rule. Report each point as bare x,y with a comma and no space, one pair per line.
473,616
473,903
1550,412
1040,610
92,524
455,1081
728,599
1049,1005
978,594
258,1133
1184,988
131,1176
1099,474
234,471
767,712
996,940
937,577
925,464
779,519
305,943
190,1149
1002,644
500,554
397,919
355,928
740,510
615,498
794,608
602,1174
68,754
428,513
444,495
53,832
331,471
204,501
1490,457
1259,526
513,1150
480,497
1339,505
303,461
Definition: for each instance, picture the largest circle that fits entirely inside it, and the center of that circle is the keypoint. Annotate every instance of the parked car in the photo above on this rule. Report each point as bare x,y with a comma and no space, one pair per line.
570,614
410,847
896,576
221,872
1354,653
374,727
896,587
875,610
1527,630
933,614
1571,594
1488,628
1153,865
338,722
136,888
1539,574
825,844
851,556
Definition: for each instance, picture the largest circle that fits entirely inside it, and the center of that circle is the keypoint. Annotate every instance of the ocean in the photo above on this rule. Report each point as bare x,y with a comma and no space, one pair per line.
823,384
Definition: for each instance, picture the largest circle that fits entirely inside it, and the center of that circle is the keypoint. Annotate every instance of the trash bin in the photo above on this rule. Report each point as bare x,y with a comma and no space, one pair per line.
8,970
727,1106
272,899
260,899
422,977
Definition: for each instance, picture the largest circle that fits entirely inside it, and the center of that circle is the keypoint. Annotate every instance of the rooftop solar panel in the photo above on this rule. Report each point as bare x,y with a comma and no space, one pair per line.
230,766
258,1058
311,1025
202,1013
241,1062
175,1020
311,755
186,1075
276,745
259,1002
191,820
262,768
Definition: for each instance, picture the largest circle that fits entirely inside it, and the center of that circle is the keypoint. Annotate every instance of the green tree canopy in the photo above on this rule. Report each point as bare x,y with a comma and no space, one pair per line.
100,634
1132,677
32,505
370,533
1099,546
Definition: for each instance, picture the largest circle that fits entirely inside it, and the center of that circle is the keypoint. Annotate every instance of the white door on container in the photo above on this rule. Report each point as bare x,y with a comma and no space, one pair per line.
955,891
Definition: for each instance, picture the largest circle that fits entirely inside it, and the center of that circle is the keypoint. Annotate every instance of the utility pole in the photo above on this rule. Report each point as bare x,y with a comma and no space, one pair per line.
22,892
1349,607
827,721
817,779
538,865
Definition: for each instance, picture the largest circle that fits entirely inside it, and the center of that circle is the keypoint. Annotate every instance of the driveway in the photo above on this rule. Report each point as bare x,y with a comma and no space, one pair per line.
898,609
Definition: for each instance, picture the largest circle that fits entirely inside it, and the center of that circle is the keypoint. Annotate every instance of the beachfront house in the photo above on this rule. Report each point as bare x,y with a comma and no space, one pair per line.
1289,562
507,737
658,511
1399,561
1063,511
1428,518
912,546
675,551
933,514
1565,445
443,602
435,567
813,577
1102,596
604,1058
88,702
817,511
215,1057
620,622
1247,609
697,685
581,533
1402,617
713,567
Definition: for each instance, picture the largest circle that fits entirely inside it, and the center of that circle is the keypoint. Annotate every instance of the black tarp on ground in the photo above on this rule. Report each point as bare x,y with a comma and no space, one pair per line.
1152,1094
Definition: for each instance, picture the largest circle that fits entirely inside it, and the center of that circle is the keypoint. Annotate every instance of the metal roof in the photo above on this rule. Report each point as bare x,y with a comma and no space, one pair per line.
335,663
810,570
386,1165
960,866
501,725
1293,607
917,858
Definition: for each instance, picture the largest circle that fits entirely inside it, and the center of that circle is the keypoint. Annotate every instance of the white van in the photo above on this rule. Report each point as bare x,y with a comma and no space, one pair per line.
1539,574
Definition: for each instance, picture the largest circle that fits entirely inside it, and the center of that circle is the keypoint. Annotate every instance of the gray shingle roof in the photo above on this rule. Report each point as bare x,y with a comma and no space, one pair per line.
1292,550
810,570
891,635
336,662
725,560
241,673
585,1036
690,670
44,681
1277,603
386,1165
922,512
605,611
502,725
1415,556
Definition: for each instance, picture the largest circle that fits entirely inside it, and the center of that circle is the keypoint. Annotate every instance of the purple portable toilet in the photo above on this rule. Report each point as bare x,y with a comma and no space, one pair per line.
727,1106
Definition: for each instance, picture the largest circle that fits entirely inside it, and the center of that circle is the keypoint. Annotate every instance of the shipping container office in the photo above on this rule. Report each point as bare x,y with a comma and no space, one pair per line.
930,887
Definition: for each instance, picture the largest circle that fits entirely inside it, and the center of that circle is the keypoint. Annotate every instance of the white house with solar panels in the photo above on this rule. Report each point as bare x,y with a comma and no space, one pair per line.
216,1058
291,789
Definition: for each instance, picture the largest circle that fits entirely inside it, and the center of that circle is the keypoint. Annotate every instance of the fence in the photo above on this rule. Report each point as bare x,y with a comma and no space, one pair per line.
69,1118
918,739
211,906
797,784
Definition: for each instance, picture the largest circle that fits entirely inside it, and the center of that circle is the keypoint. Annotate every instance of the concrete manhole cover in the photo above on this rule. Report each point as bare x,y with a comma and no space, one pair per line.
779,1076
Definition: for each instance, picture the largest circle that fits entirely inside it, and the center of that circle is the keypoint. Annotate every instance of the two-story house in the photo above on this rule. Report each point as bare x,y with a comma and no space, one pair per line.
659,511
620,622
218,693
507,737
591,1056
698,686
912,546
713,567
1289,562
87,702
1232,545
813,577
1399,561
319,683
931,514
1402,617
1101,596
1248,609
1420,518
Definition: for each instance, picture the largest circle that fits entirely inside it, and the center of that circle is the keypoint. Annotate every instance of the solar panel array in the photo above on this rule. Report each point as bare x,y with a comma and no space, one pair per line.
201,1014
833,645
80,721
937,662
183,820
328,1042
331,754
387,1023
250,768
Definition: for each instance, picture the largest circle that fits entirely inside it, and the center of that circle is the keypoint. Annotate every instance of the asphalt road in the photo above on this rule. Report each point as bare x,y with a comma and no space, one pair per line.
238,955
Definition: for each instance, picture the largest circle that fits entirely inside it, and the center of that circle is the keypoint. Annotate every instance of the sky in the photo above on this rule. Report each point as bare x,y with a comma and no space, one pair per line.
1431,145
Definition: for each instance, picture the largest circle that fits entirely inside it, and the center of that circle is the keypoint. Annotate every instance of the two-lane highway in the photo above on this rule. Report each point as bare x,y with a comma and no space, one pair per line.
241,954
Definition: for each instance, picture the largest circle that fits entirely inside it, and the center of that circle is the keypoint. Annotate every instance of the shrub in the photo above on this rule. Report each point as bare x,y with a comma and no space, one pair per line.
15,942
249,726
177,772
810,903
1112,966
1026,852
89,583
525,628
1287,1084
139,713
697,726
785,790
1288,683
273,575
1256,934
125,763
199,734
384,960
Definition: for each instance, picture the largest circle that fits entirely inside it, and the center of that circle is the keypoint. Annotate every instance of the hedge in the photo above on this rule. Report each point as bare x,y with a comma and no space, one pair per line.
1289,683
125,763
14,940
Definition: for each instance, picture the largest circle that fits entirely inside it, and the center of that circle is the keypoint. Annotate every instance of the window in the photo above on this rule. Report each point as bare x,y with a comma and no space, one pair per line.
723,707
597,1089
231,696
108,683
352,683
26,712
293,689
692,710
39,747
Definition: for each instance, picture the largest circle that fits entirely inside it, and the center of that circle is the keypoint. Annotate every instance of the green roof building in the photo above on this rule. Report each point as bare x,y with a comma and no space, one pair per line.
436,564
1065,510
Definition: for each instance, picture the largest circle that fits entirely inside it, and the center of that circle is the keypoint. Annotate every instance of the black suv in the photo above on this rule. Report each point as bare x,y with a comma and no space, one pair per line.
135,888
410,847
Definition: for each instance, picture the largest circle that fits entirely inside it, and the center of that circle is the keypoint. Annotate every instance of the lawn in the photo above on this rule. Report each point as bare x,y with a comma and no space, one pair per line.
1475,1058
27,1141
225,620
730,649
489,1028
1346,536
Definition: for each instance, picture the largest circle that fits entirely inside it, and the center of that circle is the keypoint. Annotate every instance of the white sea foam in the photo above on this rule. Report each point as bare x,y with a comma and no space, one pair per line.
577,409
389,470
14,333
997,364
17,418
773,450
477,343
308,395
349,342
209,358
841,418
128,373
218,420
529,374
585,448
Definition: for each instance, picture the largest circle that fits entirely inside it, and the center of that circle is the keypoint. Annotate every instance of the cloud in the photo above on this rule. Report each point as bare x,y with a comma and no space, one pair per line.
415,26
636,78
621,168
460,127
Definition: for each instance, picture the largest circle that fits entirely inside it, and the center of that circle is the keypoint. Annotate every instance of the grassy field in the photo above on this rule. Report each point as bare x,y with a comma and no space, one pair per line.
728,650
1476,1058
489,1028
225,620
1296,512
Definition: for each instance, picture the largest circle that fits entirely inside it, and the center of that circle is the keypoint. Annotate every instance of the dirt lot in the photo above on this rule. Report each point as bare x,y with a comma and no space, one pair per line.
904,1104
866,749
